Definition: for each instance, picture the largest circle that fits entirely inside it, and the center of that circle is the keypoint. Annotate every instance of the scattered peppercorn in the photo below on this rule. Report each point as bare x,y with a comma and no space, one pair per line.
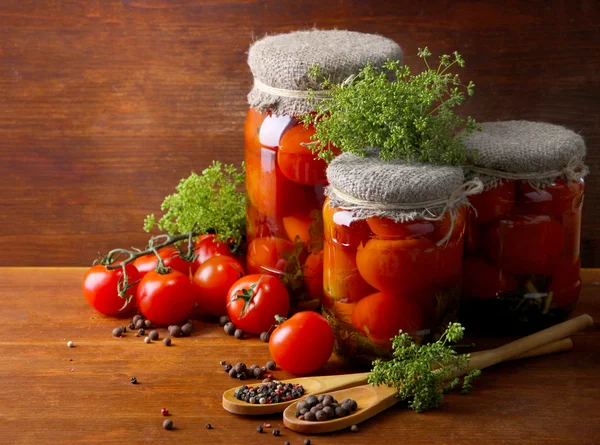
70,344
240,376
131,326
354,428
123,328
167,341
187,329
222,362
142,331
265,337
175,331
136,318
275,432
271,365
117,332
139,324
306,441
259,429
239,334
258,373
286,443
133,380
240,367
233,373
208,426
153,335
267,380
227,367
224,320
164,412
229,328
168,424
147,340
147,324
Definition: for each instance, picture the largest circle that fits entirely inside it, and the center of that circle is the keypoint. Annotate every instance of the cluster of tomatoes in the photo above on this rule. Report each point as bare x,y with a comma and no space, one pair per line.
517,231
216,283
382,276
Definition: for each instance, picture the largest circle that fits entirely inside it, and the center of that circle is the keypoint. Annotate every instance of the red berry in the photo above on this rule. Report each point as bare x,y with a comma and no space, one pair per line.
164,412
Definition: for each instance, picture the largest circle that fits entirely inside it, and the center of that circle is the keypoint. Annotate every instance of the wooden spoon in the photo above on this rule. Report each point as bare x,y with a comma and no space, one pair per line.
373,400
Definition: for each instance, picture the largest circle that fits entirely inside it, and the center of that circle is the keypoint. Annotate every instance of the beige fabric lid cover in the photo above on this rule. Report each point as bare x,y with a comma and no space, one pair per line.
280,62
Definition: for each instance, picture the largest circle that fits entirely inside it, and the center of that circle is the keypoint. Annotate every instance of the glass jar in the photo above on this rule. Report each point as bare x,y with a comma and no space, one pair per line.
522,258
284,184
381,276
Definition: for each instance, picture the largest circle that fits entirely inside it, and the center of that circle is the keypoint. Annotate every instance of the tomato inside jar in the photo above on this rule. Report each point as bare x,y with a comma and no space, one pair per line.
522,266
285,189
383,276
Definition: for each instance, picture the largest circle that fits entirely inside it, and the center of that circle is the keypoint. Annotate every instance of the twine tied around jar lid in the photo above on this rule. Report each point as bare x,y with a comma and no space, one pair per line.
368,187
536,152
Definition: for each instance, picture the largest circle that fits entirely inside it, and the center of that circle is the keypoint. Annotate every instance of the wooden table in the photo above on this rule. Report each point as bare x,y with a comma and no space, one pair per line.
50,393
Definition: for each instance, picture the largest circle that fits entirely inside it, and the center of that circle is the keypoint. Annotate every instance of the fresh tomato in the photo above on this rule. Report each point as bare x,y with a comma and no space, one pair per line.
387,228
254,300
303,343
341,280
297,161
100,288
483,281
381,316
525,245
313,275
213,279
556,199
206,248
405,267
494,203
170,257
341,228
166,299
268,255
566,283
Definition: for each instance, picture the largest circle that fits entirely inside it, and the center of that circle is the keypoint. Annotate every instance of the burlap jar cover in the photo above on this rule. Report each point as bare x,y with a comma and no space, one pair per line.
280,65
368,186
536,152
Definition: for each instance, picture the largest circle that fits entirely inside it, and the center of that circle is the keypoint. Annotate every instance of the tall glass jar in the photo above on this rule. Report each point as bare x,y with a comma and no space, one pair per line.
522,255
391,266
284,182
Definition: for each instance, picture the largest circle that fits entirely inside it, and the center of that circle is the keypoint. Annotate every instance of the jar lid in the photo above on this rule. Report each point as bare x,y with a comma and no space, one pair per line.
279,64
527,150
369,186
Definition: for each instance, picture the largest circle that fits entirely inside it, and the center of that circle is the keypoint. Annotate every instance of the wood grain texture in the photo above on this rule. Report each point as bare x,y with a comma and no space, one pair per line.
52,394
105,104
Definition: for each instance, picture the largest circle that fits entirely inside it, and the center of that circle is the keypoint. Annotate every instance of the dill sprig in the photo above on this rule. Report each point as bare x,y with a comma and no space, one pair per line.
422,373
407,116
212,201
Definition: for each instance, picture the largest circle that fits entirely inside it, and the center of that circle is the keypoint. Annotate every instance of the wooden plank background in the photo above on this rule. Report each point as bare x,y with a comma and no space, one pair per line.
105,105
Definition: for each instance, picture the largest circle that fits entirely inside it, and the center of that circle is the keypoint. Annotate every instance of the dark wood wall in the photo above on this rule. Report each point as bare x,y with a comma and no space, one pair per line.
105,105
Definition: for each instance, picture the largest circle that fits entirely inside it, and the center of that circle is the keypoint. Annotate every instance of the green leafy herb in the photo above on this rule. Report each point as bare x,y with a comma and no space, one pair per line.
422,374
212,201
407,116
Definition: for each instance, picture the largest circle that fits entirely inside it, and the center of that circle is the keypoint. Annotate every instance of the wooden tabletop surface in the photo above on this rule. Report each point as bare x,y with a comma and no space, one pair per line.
51,394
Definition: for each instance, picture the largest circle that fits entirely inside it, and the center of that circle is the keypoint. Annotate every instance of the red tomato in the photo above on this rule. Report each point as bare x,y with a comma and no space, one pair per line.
100,288
404,267
166,299
254,300
259,225
483,281
493,204
387,228
341,280
170,256
313,275
554,200
206,248
525,245
213,279
450,259
381,316
297,161
473,234
566,283
341,228
303,343
268,255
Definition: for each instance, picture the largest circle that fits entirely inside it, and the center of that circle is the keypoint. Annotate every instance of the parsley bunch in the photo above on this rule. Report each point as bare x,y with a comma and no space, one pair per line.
408,116
422,374
212,201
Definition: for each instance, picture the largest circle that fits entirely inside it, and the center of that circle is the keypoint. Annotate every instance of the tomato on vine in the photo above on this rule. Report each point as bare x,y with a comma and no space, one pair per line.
213,279
170,256
254,300
206,247
303,343
107,291
166,298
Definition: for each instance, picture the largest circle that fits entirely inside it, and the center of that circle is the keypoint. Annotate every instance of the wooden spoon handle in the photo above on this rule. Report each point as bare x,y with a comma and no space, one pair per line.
565,344
520,347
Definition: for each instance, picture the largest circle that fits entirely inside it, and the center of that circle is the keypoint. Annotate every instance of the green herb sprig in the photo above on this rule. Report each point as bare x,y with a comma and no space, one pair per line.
407,116
422,373
211,201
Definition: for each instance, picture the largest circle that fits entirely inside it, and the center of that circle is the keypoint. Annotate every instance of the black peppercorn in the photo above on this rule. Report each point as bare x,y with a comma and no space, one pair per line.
265,337
168,424
229,328
139,324
224,320
354,428
167,341
142,332
131,326
306,441
147,324
117,332
239,334
271,365
208,426
153,335
187,329
227,367
275,432
259,429
133,380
